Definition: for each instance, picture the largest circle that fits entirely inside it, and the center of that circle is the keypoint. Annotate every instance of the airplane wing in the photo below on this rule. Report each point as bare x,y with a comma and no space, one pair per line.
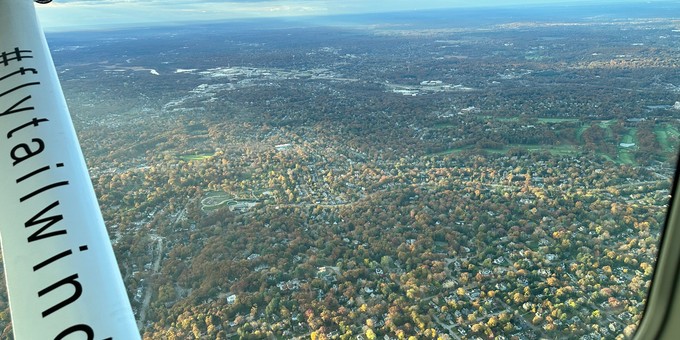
62,277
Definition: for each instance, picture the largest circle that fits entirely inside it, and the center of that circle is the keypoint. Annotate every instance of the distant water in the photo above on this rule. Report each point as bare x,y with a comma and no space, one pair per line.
449,18
470,17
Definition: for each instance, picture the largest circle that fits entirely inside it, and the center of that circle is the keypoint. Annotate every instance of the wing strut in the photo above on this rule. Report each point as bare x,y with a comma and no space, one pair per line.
62,277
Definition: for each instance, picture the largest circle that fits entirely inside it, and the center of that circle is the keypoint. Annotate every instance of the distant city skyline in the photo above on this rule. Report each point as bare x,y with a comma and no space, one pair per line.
101,14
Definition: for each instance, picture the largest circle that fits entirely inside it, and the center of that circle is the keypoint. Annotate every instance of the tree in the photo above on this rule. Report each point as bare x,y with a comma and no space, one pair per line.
492,322
476,328
596,314
370,335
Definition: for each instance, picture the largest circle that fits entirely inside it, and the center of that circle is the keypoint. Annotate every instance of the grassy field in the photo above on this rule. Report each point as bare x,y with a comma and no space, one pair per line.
629,137
558,120
564,150
579,133
540,120
625,155
667,135
662,136
215,200
664,133
553,149
198,157
450,151
500,119
605,124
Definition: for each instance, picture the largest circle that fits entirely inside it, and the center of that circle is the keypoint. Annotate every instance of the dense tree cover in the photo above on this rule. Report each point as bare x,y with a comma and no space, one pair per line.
434,239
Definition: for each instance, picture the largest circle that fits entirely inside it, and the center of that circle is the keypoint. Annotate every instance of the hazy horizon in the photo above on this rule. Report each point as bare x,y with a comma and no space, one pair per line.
89,14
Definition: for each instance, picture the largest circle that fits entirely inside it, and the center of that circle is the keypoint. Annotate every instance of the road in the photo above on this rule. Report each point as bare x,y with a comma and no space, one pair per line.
157,257
158,254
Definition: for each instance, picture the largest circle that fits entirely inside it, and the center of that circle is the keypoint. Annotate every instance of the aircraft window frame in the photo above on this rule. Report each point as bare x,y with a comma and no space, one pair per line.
662,302
662,297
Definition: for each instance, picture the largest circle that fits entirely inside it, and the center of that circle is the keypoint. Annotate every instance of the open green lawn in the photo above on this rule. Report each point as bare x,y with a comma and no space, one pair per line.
625,155
629,137
553,149
605,124
558,120
450,151
198,157
579,132
556,149
663,134
540,120
500,119
215,200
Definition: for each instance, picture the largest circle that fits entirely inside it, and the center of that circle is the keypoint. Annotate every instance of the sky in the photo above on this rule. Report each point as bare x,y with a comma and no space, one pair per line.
93,14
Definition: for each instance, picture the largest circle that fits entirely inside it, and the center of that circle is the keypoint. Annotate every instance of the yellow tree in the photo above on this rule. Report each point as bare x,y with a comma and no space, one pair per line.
370,334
